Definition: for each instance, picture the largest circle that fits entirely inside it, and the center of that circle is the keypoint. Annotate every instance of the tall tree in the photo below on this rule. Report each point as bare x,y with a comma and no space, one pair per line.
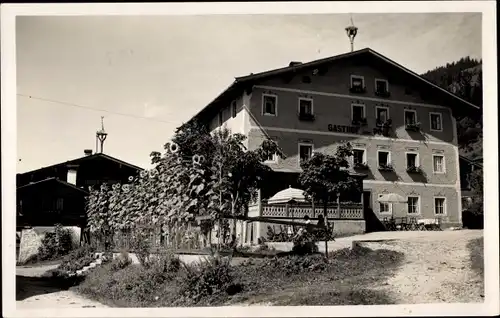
326,177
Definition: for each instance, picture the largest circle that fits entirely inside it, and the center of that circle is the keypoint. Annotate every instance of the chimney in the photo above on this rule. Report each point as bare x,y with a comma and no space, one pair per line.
71,177
294,63
87,152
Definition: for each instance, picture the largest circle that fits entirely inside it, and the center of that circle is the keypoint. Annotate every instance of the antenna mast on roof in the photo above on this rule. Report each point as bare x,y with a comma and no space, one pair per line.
351,33
100,136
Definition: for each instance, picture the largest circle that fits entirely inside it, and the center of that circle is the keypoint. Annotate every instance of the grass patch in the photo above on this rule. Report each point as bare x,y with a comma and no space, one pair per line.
347,277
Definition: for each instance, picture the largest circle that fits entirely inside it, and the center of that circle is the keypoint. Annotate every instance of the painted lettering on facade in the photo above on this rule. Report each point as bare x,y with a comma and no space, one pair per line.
343,129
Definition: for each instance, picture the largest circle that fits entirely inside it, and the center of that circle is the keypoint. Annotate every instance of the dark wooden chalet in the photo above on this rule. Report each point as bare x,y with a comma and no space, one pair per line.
57,193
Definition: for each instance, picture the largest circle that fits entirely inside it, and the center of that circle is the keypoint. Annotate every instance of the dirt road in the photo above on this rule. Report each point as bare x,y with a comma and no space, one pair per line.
35,291
439,268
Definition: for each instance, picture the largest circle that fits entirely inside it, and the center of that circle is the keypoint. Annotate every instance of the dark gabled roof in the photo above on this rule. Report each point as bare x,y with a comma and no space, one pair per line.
245,81
473,162
85,158
52,180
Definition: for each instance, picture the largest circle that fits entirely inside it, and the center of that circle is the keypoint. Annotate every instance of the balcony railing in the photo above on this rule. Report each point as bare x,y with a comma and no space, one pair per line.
306,116
383,93
347,211
357,89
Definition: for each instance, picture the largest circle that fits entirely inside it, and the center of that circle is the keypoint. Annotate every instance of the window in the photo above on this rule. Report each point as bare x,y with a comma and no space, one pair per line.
59,204
438,163
382,114
358,156
305,152
381,87
305,106
273,157
383,158
384,207
357,81
436,121
269,105
413,205
439,206
411,160
357,112
410,117
233,109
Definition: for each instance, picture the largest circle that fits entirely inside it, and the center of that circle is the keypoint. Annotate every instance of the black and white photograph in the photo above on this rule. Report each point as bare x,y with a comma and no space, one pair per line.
231,159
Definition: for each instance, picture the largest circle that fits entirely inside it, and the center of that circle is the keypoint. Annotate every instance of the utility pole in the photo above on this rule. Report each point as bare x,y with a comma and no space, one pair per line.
100,136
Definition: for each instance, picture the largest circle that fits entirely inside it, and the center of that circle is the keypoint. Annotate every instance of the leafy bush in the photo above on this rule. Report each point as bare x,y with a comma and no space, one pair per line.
78,259
206,278
125,284
55,244
122,261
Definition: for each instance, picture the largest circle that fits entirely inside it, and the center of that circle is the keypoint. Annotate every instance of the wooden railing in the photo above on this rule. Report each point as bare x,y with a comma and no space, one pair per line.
351,211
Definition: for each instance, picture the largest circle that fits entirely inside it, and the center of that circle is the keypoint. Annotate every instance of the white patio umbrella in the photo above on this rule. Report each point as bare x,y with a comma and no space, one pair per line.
288,196
392,198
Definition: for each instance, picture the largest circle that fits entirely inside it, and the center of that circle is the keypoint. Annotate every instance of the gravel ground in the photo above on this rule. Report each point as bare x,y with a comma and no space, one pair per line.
438,269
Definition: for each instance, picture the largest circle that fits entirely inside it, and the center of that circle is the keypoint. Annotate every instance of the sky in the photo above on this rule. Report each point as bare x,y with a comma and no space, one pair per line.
162,70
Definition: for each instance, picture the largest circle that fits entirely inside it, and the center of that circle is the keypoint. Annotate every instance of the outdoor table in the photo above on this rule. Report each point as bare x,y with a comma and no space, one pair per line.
431,224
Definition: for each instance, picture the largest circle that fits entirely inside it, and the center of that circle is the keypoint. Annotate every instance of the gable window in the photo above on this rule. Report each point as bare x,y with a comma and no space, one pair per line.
270,105
233,109
440,206
384,207
384,160
305,152
357,84
358,114
438,163
381,87
413,205
436,120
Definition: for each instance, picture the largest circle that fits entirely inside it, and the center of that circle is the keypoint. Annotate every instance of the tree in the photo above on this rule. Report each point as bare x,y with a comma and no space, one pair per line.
326,177
237,173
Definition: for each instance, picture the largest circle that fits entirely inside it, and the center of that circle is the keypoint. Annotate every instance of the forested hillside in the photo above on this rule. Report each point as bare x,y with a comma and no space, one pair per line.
464,78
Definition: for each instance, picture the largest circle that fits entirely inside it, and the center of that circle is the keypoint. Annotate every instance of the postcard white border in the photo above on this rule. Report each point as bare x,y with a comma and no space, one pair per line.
8,73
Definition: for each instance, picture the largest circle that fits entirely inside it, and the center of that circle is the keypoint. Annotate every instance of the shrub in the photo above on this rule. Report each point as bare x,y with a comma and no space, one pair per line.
78,259
123,260
205,278
55,244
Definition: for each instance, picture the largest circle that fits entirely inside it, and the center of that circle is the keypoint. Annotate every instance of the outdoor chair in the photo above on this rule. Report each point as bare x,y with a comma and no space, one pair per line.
404,224
412,225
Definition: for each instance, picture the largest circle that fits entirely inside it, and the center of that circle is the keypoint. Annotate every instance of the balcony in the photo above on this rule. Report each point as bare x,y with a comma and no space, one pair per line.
347,211
361,166
386,167
306,116
359,122
357,89
413,127
414,170
382,93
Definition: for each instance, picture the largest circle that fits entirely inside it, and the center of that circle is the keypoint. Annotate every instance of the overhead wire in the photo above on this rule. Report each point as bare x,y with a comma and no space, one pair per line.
94,109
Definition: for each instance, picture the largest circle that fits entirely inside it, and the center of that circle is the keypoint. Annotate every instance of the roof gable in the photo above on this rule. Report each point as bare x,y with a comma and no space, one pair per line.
87,158
245,82
64,183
